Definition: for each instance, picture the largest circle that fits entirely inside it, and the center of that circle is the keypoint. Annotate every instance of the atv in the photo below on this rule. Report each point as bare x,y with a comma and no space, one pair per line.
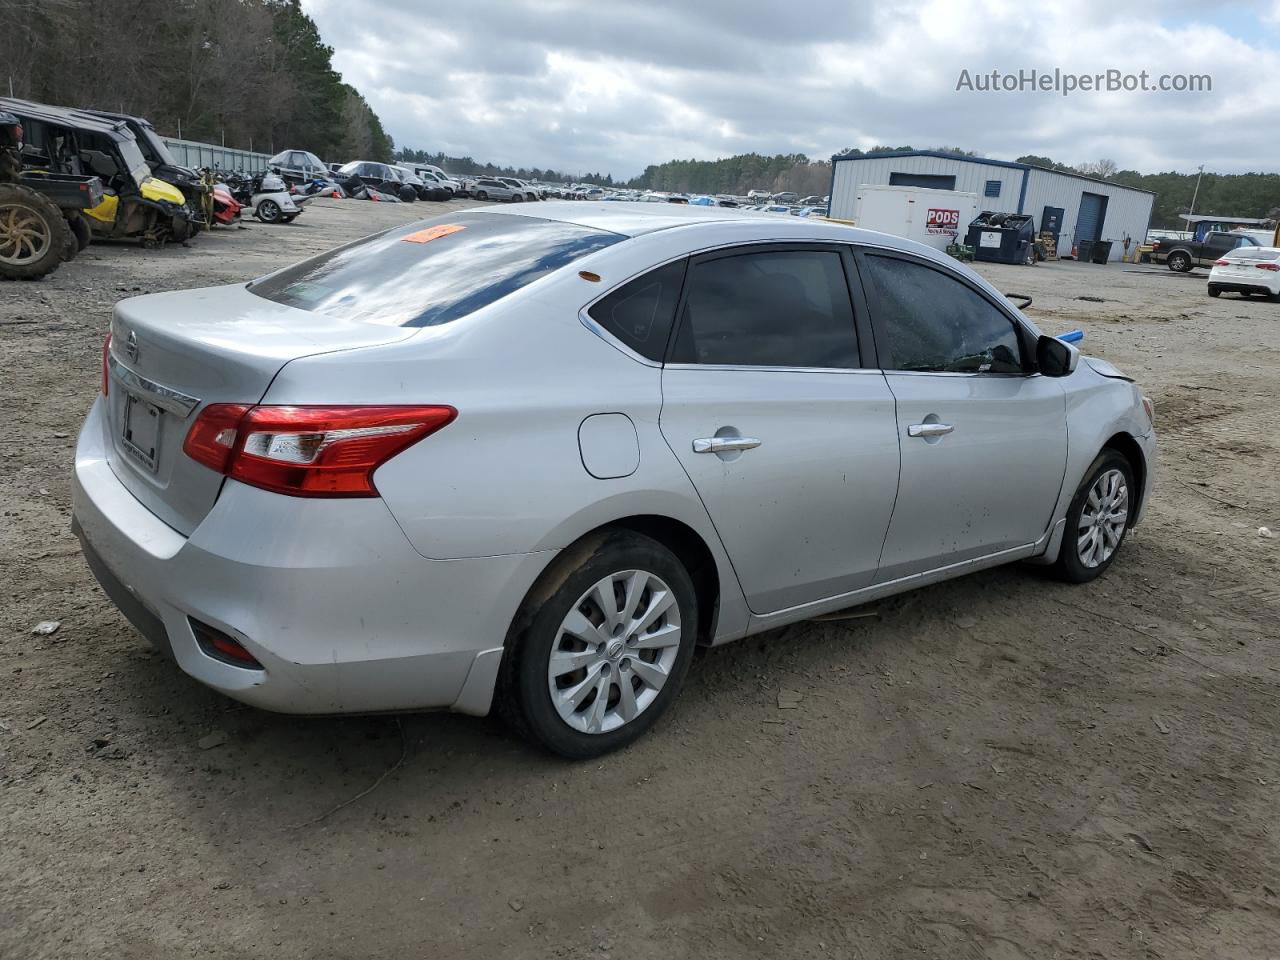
72,142
164,166
41,222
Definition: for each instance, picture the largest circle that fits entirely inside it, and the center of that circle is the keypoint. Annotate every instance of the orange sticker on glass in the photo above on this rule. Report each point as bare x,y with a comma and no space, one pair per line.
433,233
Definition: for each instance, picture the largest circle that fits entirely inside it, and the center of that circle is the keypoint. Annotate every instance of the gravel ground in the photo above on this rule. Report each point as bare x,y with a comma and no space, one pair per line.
999,767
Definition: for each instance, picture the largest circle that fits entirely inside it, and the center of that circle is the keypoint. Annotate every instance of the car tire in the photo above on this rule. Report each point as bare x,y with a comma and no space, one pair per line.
582,712
1179,262
1214,291
1106,493
268,211
481,195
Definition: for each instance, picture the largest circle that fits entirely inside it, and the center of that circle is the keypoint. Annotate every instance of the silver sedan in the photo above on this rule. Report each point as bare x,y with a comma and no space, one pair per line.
530,462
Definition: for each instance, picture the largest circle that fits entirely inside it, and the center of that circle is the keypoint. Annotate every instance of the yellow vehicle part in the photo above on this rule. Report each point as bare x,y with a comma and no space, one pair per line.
105,212
153,189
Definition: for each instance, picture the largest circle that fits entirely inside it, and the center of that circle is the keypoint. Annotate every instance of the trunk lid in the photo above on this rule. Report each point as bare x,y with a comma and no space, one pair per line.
172,354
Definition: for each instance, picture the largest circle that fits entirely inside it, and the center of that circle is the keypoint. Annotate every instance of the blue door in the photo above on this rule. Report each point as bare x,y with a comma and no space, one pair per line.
1093,208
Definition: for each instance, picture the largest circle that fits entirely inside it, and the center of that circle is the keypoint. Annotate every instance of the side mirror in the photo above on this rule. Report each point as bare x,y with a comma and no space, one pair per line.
1055,358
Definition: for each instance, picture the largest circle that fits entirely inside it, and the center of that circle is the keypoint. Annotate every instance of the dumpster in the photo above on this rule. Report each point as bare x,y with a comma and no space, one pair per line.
1101,251
1002,237
1084,251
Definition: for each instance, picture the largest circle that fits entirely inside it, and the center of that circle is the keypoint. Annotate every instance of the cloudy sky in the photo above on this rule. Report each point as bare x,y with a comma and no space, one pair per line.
613,86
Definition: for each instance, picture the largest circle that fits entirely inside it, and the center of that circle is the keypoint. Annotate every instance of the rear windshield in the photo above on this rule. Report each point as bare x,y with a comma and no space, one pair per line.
1252,253
432,271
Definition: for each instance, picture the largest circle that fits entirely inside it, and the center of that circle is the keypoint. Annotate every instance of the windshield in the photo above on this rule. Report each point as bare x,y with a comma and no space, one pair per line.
432,271
153,146
139,169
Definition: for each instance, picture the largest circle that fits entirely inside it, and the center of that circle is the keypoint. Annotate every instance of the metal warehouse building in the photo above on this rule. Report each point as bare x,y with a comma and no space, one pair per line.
1085,208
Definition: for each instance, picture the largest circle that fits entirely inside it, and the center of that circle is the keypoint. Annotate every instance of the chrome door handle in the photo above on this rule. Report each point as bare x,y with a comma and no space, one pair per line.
724,444
929,429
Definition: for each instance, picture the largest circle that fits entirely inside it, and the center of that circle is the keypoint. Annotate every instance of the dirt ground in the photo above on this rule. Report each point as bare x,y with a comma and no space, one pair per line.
998,767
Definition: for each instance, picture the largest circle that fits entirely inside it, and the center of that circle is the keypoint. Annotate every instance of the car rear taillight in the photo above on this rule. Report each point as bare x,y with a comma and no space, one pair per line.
212,438
1222,263
1267,266
106,365
308,451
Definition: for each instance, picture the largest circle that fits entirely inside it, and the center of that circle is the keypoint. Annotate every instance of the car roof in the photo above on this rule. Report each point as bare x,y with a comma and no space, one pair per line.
638,219
65,116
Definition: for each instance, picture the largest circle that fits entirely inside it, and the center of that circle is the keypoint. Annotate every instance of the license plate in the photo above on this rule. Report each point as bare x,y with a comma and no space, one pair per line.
141,435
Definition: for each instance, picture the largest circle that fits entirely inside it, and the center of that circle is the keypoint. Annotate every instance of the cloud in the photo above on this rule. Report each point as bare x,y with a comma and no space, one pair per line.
577,86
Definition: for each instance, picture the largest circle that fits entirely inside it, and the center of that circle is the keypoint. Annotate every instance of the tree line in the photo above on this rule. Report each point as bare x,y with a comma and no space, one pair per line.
253,74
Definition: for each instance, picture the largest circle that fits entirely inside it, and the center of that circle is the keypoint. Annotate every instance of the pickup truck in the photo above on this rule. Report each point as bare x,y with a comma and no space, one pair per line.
1182,255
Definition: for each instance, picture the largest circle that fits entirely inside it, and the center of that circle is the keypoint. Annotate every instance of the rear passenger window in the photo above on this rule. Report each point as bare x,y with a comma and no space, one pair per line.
926,321
640,313
786,308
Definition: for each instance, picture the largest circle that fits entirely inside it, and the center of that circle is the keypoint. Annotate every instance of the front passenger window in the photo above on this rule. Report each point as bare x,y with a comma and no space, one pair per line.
928,322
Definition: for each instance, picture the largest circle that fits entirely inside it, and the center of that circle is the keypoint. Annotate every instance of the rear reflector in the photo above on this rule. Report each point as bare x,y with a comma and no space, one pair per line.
222,647
308,451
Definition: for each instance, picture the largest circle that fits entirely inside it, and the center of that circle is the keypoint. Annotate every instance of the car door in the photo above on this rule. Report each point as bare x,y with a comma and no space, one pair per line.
983,437
1216,243
788,438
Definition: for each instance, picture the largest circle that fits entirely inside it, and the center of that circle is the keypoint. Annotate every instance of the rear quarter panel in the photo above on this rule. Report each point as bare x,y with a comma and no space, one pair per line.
507,476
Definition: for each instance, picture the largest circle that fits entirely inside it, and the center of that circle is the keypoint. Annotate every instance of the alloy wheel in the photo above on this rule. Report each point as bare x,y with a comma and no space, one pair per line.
1102,519
24,235
614,651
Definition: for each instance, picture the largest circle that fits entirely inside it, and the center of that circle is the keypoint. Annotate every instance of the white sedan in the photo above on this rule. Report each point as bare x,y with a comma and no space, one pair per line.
1247,271
530,462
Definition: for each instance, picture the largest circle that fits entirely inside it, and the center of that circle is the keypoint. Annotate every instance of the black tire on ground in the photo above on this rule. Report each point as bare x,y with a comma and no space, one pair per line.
523,697
268,211
34,237
1214,291
1069,565
516,198
83,235
408,194
1179,262
481,195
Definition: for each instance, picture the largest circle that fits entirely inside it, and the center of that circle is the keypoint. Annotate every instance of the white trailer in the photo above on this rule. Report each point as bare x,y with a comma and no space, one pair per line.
933,217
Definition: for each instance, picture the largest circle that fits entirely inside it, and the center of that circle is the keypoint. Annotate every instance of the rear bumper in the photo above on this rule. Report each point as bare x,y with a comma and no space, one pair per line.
1238,286
330,597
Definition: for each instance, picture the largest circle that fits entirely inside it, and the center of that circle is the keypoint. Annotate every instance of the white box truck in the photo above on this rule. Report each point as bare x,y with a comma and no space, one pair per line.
933,217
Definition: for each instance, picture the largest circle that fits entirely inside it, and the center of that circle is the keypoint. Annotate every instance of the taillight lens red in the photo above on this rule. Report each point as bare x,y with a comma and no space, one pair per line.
212,438
1268,266
308,451
1222,263
106,366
